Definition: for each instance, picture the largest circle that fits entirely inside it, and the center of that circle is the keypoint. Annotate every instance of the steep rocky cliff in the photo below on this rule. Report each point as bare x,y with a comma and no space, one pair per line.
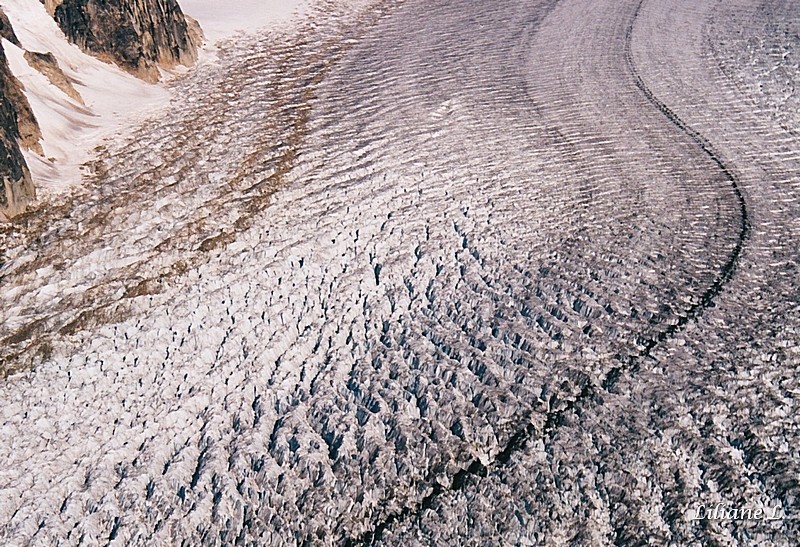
17,124
138,35
6,30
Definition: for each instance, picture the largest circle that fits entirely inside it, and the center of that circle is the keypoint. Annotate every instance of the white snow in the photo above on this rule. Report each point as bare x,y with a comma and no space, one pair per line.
71,132
222,19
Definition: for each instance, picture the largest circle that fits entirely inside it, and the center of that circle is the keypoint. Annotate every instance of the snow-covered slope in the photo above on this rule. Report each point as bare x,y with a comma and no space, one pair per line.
71,131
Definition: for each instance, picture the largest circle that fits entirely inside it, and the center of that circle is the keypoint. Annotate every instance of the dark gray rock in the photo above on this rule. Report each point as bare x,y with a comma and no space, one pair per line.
138,35
17,124
6,30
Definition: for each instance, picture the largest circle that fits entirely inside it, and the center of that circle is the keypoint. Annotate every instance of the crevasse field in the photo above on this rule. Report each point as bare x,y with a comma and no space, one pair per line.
521,272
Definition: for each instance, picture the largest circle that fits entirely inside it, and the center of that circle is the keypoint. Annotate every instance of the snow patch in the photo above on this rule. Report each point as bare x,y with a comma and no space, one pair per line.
221,19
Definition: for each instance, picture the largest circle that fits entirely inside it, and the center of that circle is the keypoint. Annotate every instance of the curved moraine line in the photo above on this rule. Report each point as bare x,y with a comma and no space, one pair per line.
630,364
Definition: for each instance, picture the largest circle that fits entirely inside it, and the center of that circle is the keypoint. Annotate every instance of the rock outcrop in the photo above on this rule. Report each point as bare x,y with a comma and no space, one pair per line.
6,30
51,5
17,125
47,64
138,35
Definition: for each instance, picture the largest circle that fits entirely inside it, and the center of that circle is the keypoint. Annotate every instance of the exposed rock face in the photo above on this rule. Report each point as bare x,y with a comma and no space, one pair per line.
138,35
51,5
16,124
47,64
6,30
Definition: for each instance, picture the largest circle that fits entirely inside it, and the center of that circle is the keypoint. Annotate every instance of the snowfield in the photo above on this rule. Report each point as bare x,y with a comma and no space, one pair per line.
425,273
226,18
